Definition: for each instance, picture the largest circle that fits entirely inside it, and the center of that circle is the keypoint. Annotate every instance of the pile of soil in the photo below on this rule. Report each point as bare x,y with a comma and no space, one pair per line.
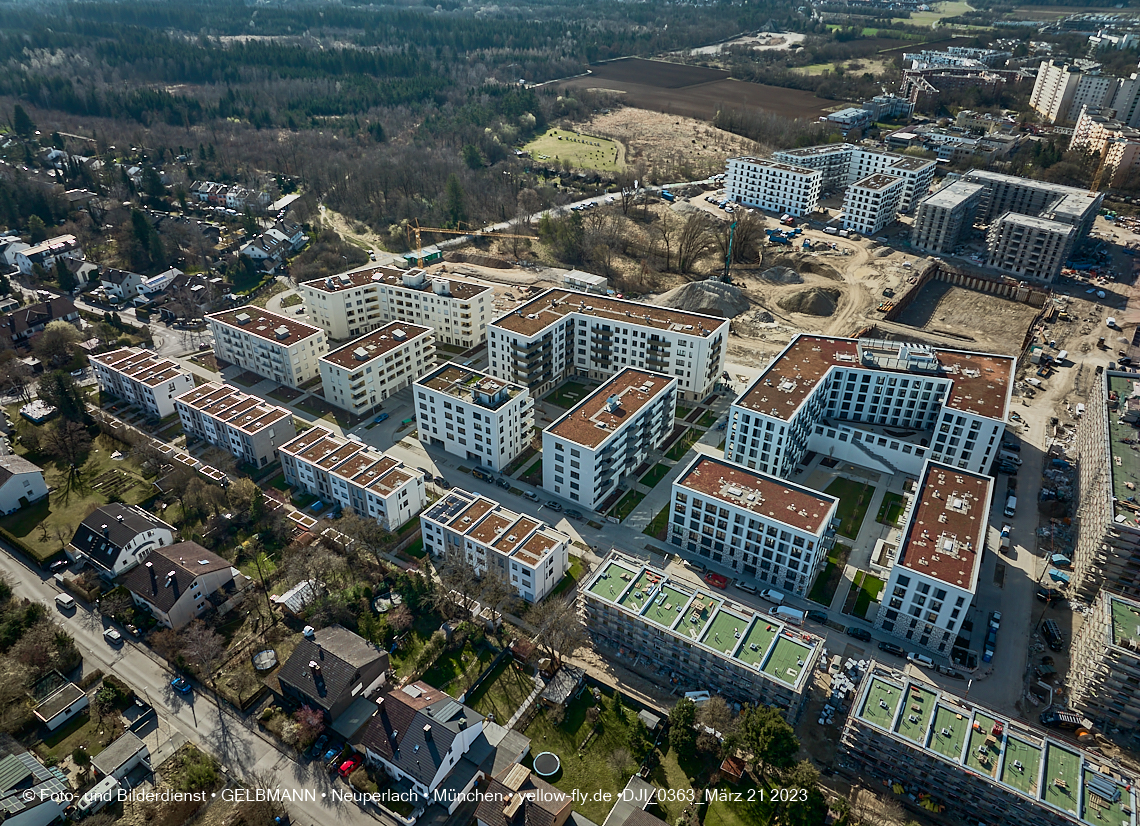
478,259
708,297
821,301
782,275
808,265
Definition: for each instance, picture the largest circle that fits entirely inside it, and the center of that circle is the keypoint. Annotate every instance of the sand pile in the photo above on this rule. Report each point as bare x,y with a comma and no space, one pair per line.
782,275
819,301
709,297
807,265
478,259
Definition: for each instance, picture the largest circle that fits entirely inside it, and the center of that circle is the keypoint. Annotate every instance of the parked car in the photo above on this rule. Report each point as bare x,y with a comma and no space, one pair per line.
113,636
382,417
1011,446
426,473
995,620
332,753
859,633
531,495
181,685
817,616
554,506
349,766
319,746
1049,595
891,648
573,515
443,483
503,482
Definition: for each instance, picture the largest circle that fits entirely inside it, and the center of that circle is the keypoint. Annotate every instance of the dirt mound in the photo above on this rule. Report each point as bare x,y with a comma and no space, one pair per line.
782,275
709,297
478,259
819,301
807,266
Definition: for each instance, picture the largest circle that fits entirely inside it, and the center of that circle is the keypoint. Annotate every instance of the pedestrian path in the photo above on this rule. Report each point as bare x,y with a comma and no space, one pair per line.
539,685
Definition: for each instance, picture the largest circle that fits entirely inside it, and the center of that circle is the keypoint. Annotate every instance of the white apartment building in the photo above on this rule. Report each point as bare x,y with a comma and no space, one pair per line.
835,396
1061,89
531,555
362,373
473,415
607,435
776,187
140,377
565,333
248,427
268,344
871,204
935,576
1029,247
842,164
767,529
359,301
354,475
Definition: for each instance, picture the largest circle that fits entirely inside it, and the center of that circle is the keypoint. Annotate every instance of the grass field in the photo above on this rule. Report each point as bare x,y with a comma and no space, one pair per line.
854,499
582,151
455,670
823,590
627,503
891,509
502,692
659,525
655,475
708,419
533,475
869,589
682,445
571,578
875,67
929,18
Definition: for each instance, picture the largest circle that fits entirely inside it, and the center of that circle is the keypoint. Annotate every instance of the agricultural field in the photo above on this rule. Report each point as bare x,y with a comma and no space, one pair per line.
579,150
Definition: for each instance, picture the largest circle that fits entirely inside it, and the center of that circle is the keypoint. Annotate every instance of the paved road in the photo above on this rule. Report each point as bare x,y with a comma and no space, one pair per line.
241,750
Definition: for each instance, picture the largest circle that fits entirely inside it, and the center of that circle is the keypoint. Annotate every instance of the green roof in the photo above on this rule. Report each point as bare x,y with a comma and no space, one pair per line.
668,604
787,660
609,583
1125,620
1062,769
760,635
916,714
1029,756
1125,461
955,724
978,737
724,631
698,614
1100,812
635,598
882,701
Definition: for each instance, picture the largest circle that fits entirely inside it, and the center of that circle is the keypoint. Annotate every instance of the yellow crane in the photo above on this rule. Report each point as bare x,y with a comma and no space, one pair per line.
416,229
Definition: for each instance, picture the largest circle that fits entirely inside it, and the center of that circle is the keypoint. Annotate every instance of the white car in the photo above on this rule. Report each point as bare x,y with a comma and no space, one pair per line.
113,636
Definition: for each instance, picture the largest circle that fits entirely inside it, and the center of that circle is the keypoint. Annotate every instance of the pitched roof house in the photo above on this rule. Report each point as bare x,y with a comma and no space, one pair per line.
330,668
21,482
20,325
115,538
176,582
516,797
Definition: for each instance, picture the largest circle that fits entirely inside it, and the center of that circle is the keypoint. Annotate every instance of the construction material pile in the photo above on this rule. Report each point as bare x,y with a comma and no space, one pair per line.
709,297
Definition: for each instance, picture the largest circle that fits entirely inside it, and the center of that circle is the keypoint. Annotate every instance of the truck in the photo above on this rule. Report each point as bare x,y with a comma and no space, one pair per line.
783,612
668,196
1063,718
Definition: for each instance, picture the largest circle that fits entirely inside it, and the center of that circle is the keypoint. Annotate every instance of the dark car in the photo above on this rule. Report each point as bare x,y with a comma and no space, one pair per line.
504,483
1049,595
817,616
554,506
427,473
573,515
443,483
859,633
319,746
1013,447
891,648
59,563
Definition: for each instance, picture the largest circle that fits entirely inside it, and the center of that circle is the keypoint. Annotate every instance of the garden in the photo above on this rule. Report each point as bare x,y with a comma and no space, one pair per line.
891,510
503,691
854,499
826,584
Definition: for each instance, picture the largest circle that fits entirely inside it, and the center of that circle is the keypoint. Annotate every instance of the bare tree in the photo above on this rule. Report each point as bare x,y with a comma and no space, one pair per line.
201,646
369,535
664,231
695,240
67,441
557,627
459,583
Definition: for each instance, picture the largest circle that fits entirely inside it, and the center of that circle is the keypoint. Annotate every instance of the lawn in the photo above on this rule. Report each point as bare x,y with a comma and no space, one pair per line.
291,300
422,628
582,151
823,590
660,525
891,509
655,475
533,475
82,730
456,669
626,504
593,769
319,407
708,419
567,395
854,499
682,412
519,461
749,809
503,692
44,527
571,578
869,589
682,445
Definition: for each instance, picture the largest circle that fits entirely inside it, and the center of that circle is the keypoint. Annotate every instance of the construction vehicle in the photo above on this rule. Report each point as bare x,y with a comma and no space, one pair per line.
668,196
416,229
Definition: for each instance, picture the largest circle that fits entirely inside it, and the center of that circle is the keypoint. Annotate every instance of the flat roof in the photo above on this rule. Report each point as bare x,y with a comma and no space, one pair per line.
269,326
917,712
1062,777
1034,222
471,386
769,496
140,365
946,531
951,196
611,406
878,182
557,303
1125,618
1023,777
249,414
457,287
982,382
948,734
880,702
1125,464
782,167
375,345
911,164
984,752
729,630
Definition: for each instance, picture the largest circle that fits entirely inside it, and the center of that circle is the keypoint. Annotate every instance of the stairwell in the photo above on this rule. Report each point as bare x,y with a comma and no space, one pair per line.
881,460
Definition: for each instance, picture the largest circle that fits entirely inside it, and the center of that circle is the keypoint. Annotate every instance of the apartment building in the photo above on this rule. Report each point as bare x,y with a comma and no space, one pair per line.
607,435
1104,663
354,476
278,348
564,333
871,204
358,301
364,372
944,219
765,528
1026,196
935,576
698,635
973,764
248,427
46,253
1114,143
835,395
530,555
842,164
473,415
1028,247
1062,88
776,187
1107,547
141,378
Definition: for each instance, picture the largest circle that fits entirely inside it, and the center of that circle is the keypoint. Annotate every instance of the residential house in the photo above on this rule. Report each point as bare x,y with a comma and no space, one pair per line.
115,537
61,705
23,323
176,582
142,378
517,797
31,794
121,284
329,669
46,253
121,757
21,482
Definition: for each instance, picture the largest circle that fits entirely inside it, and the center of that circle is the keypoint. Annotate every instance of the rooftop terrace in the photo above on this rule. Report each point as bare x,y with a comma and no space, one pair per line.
1125,619
471,386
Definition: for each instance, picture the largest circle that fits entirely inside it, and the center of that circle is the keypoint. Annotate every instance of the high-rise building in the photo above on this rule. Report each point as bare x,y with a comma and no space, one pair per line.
1062,88
871,204
944,219
1028,247
1104,664
842,164
776,187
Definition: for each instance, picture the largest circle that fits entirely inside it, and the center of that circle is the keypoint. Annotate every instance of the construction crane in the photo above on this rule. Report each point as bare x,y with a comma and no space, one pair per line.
416,229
